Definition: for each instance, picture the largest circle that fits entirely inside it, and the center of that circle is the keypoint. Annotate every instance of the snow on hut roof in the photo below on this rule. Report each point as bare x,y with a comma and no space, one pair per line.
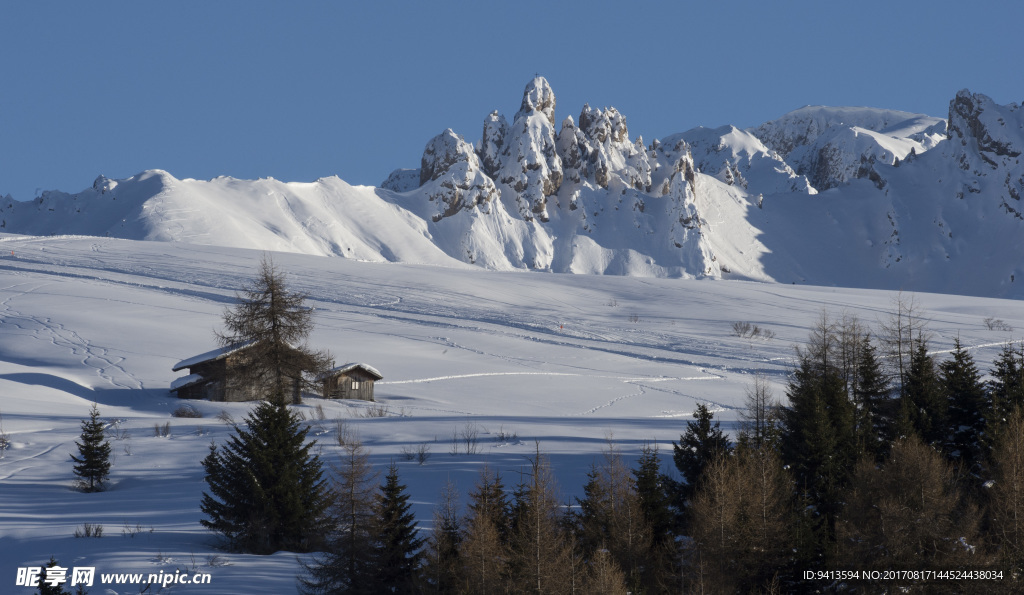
210,356
186,381
352,366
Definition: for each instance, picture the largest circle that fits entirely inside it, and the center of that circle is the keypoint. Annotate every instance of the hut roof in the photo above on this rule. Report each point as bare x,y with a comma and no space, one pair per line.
352,366
210,356
186,381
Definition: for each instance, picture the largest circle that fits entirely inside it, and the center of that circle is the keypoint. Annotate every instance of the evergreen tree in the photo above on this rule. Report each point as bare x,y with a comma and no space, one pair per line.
967,405
46,588
876,410
274,322
397,552
698,447
1007,384
92,466
348,567
923,408
654,499
819,439
266,491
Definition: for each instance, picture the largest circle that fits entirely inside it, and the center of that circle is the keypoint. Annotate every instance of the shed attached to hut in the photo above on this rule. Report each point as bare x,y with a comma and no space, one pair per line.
351,381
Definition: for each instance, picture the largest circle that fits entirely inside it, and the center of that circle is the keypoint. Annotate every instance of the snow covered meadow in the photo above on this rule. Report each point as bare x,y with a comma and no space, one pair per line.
569,362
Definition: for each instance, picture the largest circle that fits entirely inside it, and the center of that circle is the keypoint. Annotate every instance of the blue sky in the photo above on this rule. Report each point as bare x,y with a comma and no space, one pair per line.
301,90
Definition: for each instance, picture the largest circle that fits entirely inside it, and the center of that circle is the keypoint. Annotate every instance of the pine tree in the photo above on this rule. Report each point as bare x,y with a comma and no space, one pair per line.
397,553
274,322
967,405
266,491
92,466
348,567
698,447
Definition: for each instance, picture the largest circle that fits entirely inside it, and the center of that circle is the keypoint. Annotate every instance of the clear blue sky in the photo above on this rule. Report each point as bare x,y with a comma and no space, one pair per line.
301,90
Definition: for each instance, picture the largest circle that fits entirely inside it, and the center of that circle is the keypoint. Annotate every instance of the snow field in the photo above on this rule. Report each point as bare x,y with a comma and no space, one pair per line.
565,361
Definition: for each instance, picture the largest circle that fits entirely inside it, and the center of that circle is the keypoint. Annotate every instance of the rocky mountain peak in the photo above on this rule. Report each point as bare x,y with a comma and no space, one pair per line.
538,97
975,118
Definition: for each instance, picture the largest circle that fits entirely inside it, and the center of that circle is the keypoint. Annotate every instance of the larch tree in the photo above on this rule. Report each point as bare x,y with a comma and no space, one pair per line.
273,323
348,566
92,465
442,563
483,550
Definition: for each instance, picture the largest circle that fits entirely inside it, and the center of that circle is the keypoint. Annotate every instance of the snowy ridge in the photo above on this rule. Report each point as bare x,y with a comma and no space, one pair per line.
831,196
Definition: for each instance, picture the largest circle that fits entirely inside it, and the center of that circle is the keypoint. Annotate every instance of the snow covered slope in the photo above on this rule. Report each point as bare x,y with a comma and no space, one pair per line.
829,196
570,361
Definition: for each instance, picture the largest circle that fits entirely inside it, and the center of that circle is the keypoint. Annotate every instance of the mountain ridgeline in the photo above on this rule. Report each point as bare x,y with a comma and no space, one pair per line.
855,197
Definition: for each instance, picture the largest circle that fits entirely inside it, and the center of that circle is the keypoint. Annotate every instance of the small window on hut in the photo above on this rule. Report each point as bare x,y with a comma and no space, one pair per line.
355,385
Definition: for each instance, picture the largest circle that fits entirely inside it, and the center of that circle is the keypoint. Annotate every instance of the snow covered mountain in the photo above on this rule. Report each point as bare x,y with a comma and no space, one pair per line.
829,196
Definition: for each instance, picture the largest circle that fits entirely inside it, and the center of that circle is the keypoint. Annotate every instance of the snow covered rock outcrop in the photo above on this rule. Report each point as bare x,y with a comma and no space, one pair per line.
831,146
987,141
738,158
451,176
530,167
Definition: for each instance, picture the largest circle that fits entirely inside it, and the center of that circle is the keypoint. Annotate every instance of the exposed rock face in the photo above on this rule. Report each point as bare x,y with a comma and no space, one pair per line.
992,129
606,152
685,230
452,176
986,143
495,132
530,166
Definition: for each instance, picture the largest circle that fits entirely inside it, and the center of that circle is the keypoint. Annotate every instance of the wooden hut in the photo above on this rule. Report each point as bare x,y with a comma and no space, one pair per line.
351,381
210,376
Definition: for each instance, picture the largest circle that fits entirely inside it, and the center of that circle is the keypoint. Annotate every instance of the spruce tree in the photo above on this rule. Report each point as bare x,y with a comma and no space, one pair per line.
819,438
92,466
698,447
46,588
397,552
923,407
654,499
876,409
967,405
1007,384
266,491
